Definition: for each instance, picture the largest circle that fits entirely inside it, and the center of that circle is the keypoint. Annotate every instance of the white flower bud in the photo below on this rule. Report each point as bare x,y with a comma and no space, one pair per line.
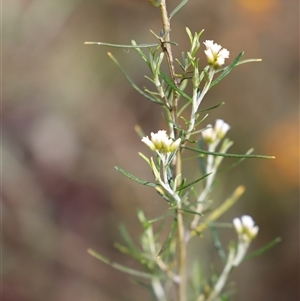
221,128
209,134
245,228
246,231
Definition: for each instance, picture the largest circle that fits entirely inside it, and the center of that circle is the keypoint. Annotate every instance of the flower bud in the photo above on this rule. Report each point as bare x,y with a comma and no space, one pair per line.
221,128
245,228
209,135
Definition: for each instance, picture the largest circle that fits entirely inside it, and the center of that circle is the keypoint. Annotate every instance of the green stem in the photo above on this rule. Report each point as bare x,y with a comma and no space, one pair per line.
166,47
223,278
181,240
197,101
181,255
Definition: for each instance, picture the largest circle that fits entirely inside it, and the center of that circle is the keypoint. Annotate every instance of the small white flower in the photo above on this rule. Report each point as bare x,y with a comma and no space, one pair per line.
221,128
209,134
216,133
247,231
215,54
245,228
161,142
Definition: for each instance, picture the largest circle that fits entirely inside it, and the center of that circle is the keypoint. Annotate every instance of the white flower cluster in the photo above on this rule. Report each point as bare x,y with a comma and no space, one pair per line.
215,54
161,142
247,231
245,228
212,134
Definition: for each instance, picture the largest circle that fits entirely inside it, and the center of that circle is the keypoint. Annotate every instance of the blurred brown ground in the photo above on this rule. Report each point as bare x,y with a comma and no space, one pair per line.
68,116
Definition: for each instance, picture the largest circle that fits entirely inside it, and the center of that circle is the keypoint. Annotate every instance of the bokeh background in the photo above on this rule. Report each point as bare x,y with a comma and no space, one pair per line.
67,119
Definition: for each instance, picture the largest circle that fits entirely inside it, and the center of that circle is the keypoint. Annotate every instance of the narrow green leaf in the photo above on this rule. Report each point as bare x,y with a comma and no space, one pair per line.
180,65
228,155
165,196
168,240
128,46
118,266
133,178
217,243
136,254
151,221
134,86
123,249
151,80
223,150
158,37
227,70
240,63
235,163
188,31
145,158
126,237
191,211
193,182
142,218
154,169
139,131
169,82
183,108
201,160
141,53
263,249
211,108
248,61
178,7
201,120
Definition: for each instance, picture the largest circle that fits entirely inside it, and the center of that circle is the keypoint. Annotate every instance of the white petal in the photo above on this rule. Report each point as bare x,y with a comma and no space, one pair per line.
254,231
149,143
237,225
209,135
221,128
220,61
247,221
216,48
210,55
208,43
175,145
224,53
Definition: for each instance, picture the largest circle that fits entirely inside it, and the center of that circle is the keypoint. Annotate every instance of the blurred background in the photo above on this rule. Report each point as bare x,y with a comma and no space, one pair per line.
67,119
